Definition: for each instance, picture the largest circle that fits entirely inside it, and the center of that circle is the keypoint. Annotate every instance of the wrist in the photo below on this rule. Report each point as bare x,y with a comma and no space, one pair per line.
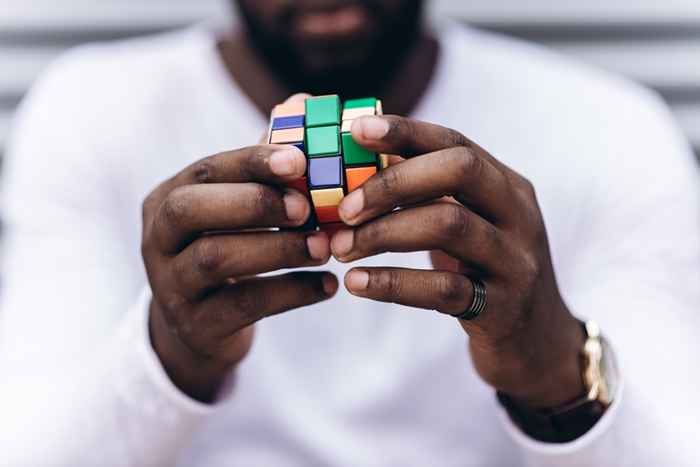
556,379
541,366
198,377
568,421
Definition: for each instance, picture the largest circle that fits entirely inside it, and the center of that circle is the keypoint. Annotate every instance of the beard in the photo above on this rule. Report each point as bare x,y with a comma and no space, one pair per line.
353,67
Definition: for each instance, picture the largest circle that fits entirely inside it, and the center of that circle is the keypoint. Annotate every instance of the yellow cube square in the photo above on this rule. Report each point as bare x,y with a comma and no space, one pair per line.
327,197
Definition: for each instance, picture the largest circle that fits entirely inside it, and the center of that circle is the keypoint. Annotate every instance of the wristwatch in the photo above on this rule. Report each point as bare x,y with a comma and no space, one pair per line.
573,419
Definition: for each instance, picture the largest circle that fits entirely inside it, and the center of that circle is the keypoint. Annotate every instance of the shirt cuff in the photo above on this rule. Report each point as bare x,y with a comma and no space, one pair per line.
149,380
582,443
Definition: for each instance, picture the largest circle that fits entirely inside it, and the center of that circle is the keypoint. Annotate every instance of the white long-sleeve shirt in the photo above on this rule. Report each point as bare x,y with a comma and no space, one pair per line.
347,382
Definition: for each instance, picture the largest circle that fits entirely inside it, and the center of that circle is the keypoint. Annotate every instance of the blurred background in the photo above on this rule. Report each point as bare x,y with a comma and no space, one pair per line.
656,42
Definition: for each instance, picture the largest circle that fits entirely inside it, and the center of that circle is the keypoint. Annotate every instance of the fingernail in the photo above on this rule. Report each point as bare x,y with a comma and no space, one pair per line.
298,97
318,247
342,241
330,284
357,281
373,127
287,162
296,206
352,205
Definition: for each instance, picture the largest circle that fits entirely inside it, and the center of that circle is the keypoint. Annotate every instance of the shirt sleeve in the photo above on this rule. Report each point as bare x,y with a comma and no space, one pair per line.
79,379
634,267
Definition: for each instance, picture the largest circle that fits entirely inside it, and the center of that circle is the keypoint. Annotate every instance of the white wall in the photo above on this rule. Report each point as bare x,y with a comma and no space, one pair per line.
654,41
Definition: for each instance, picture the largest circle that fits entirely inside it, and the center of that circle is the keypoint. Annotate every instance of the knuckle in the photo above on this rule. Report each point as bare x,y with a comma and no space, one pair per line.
539,235
408,128
174,303
175,207
204,171
263,201
452,221
394,284
399,128
390,182
187,331
530,267
252,161
288,249
493,240
451,292
523,188
528,188
368,238
259,152
466,163
294,248
455,138
177,311
529,212
208,255
180,271
402,132
389,283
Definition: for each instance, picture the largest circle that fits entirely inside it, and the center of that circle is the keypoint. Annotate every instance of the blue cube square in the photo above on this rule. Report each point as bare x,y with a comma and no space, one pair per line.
284,123
325,172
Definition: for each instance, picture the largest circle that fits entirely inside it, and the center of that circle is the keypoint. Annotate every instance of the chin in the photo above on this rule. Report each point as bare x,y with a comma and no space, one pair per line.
342,60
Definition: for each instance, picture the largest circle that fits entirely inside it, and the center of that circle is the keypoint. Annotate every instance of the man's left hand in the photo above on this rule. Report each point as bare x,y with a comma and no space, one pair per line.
481,219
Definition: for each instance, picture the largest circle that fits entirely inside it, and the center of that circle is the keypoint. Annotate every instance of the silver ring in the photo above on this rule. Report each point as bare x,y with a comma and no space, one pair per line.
478,303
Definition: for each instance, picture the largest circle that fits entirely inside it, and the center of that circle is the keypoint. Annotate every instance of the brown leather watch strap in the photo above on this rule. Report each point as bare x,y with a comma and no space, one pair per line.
559,425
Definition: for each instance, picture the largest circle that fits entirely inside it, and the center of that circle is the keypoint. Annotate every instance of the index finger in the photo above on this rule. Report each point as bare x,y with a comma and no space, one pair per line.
265,163
391,134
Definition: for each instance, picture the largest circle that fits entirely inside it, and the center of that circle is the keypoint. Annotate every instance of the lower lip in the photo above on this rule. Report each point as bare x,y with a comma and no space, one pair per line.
341,22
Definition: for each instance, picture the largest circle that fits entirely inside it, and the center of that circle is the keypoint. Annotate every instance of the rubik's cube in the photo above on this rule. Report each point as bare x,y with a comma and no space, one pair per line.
336,165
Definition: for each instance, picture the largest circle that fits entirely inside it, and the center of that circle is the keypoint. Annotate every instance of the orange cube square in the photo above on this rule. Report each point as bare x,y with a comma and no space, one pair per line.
356,176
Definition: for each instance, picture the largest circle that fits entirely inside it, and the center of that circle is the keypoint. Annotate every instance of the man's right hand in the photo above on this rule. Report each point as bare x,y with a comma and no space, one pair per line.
202,259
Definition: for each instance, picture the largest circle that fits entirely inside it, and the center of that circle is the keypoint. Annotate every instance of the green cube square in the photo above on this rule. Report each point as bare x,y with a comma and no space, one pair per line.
323,110
354,154
323,141
360,103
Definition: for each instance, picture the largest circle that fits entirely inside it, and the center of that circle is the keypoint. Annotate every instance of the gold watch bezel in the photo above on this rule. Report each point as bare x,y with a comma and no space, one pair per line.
599,366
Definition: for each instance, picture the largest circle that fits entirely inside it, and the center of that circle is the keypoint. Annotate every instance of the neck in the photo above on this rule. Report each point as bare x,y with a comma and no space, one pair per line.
401,85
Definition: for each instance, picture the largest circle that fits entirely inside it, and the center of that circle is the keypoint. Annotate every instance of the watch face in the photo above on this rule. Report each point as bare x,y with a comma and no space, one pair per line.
609,370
